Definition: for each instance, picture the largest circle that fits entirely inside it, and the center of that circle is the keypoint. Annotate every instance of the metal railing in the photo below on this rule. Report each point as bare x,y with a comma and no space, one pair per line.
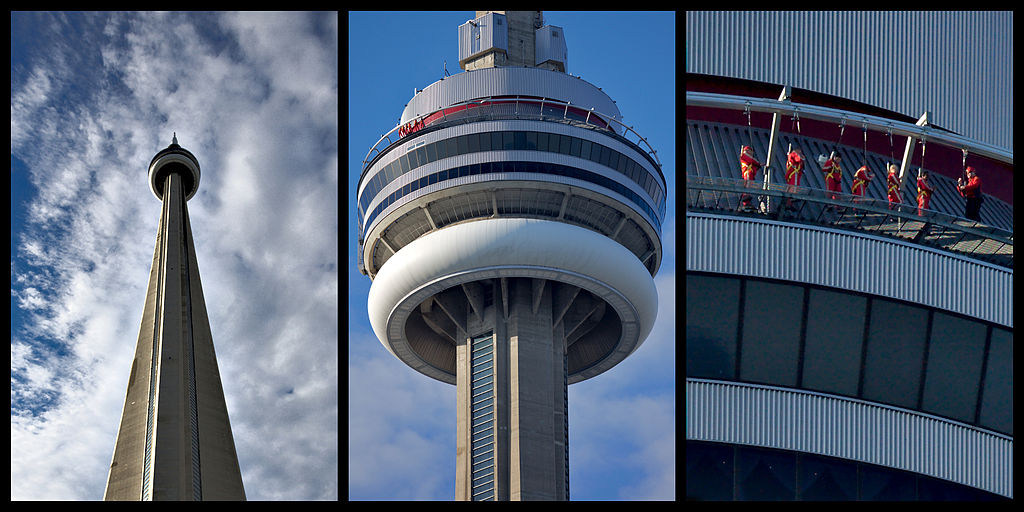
927,132
514,107
790,203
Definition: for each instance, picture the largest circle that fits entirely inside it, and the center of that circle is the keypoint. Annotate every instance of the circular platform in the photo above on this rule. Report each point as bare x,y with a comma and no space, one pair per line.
512,248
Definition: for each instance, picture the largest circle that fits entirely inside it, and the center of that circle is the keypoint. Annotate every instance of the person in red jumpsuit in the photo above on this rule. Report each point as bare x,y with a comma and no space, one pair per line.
893,184
971,189
861,179
749,167
794,168
924,192
833,174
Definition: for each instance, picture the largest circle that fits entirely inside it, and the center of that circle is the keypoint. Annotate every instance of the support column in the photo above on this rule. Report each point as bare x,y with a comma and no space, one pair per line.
529,397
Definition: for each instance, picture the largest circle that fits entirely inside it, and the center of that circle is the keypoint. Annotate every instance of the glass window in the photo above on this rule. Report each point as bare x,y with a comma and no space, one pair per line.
463,144
883,484
771,332
531,140
633,171
485,142
575,149
935,489
827,479
542,141
709,470
414,160
431,152
613,159
473,142
403,163
421,156
892,367
606,156
519,140
442,149
507,140
997,397
585,148
712,312
453,148
621,166
835,334
765,475
954,367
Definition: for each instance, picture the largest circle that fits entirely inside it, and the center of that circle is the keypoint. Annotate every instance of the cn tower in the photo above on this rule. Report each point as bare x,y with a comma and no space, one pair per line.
174,442
511,224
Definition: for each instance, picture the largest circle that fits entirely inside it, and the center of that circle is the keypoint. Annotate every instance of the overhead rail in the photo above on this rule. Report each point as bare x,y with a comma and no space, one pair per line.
851,212
876,123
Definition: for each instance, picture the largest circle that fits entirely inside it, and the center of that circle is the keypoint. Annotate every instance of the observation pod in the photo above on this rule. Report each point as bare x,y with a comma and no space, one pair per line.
512,228
174,159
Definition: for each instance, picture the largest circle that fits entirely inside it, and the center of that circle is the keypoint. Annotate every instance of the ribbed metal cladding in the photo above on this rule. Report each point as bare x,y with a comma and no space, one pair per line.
958,65
849,261
504,81
749,414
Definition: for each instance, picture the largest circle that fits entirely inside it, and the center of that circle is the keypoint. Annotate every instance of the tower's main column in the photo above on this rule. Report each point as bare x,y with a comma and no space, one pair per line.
511,387
174,441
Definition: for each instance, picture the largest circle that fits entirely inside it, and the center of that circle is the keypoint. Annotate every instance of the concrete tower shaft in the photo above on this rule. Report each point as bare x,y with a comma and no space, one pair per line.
174,441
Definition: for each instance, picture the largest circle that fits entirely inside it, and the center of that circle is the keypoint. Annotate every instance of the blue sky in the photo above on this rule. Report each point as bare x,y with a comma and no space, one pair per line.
621,423
255,97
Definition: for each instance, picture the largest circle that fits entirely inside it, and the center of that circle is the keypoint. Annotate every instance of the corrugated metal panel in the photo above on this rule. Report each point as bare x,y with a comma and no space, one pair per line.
485,82
551,46
739,413
958,65
487,32
850,261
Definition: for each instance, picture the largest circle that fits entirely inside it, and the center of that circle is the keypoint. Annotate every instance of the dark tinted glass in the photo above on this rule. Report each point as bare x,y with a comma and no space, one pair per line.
934,489
824,479
771,333
892,368
997,398
709,470
531,140
712,310
835,333
883,484
954,367
431,152
765,475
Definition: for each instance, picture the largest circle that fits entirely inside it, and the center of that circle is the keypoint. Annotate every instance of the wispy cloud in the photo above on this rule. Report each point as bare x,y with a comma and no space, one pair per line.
254,96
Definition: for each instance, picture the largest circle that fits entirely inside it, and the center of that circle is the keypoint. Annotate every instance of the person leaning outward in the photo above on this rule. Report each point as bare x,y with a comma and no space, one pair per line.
924,192
833,175
861,179
971,189
748,167
893,184
794,168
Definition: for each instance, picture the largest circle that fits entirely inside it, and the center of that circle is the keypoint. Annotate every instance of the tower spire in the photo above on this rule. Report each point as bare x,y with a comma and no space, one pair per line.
174,139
